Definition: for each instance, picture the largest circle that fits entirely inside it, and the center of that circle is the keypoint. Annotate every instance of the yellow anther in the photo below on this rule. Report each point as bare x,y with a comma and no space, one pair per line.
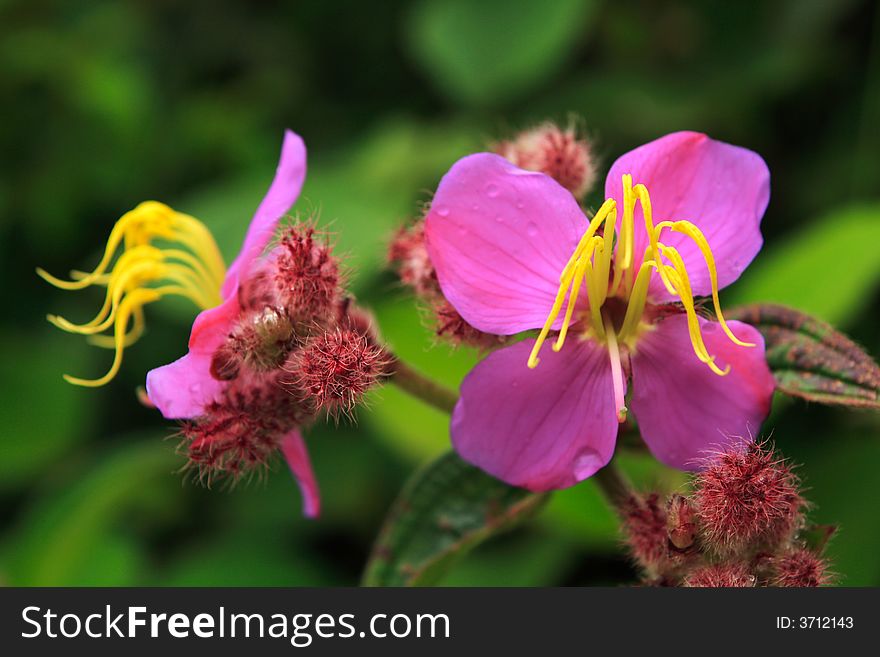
637,300
689,229
138,298
554,313
678,275
579,273
591,263
144,273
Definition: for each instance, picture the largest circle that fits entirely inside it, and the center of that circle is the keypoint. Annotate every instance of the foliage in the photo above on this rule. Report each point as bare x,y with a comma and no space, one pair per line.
107,104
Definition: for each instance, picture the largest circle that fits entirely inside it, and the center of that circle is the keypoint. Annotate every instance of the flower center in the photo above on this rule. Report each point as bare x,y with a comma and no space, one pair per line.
142,274
606,268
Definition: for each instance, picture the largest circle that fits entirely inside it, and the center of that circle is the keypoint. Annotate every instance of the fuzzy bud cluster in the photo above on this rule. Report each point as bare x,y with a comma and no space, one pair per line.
337,368
408,253
556,152
741,526
298,347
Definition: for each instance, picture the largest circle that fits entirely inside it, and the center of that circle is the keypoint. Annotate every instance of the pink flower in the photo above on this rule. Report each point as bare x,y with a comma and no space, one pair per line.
186,389
514,252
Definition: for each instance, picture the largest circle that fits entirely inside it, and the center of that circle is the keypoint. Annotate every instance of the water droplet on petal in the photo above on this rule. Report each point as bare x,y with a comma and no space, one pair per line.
443,211
492,190
475,207
587,462
532,229
499,218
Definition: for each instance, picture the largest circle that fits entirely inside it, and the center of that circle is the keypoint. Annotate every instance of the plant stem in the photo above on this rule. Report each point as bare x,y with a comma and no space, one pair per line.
614,485
421,387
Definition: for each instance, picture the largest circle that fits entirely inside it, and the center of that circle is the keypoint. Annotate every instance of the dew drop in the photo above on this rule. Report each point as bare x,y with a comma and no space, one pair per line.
492,190
532,229
443,211
586,463
475,207
499,218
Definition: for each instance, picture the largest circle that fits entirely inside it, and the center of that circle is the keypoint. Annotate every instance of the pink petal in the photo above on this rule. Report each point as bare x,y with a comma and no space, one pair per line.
541,429
685,411
183,388
282,194
294,450
722,189
499,237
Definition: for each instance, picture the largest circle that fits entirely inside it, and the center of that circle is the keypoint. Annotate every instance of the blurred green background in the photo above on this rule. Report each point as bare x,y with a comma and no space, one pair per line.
106,104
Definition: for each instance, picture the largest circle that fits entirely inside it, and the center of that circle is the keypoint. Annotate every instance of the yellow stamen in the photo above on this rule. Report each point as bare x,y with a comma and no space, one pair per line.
689,229
142,274
591,263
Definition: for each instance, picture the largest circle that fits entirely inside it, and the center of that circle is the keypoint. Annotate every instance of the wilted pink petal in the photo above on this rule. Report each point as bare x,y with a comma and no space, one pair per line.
722,189
282,194
684,410
182,389
294,450
543,428
499,237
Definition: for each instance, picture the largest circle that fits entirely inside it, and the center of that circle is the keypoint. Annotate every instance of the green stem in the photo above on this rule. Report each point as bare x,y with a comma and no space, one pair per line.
614,485
421,387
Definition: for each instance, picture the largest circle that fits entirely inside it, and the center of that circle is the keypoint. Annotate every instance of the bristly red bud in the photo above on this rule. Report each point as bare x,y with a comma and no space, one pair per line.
644,530
452,326
799,568
725,575
225,363
747,500
240,432
257,291
408,251
307,277
261,341
335,369
556,152
681,524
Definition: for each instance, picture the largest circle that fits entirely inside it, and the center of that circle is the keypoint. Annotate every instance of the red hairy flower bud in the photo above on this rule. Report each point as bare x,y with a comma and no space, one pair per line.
725,575
307,277
681,523
453,327
240,432
260,340
335,369
747,499
408,251
644,530
799,568
556,152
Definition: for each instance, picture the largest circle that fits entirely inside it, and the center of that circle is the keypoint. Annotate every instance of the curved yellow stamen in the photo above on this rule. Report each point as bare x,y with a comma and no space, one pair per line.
142,274
139,297
591,263
689,229
683,288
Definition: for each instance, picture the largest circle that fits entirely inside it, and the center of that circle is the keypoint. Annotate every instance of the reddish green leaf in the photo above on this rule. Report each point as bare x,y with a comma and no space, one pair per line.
445,510
811,359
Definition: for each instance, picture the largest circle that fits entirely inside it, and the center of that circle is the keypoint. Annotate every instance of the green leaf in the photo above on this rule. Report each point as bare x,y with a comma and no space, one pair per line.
42,416
60,533
812,360
828,269
491,51
446,509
